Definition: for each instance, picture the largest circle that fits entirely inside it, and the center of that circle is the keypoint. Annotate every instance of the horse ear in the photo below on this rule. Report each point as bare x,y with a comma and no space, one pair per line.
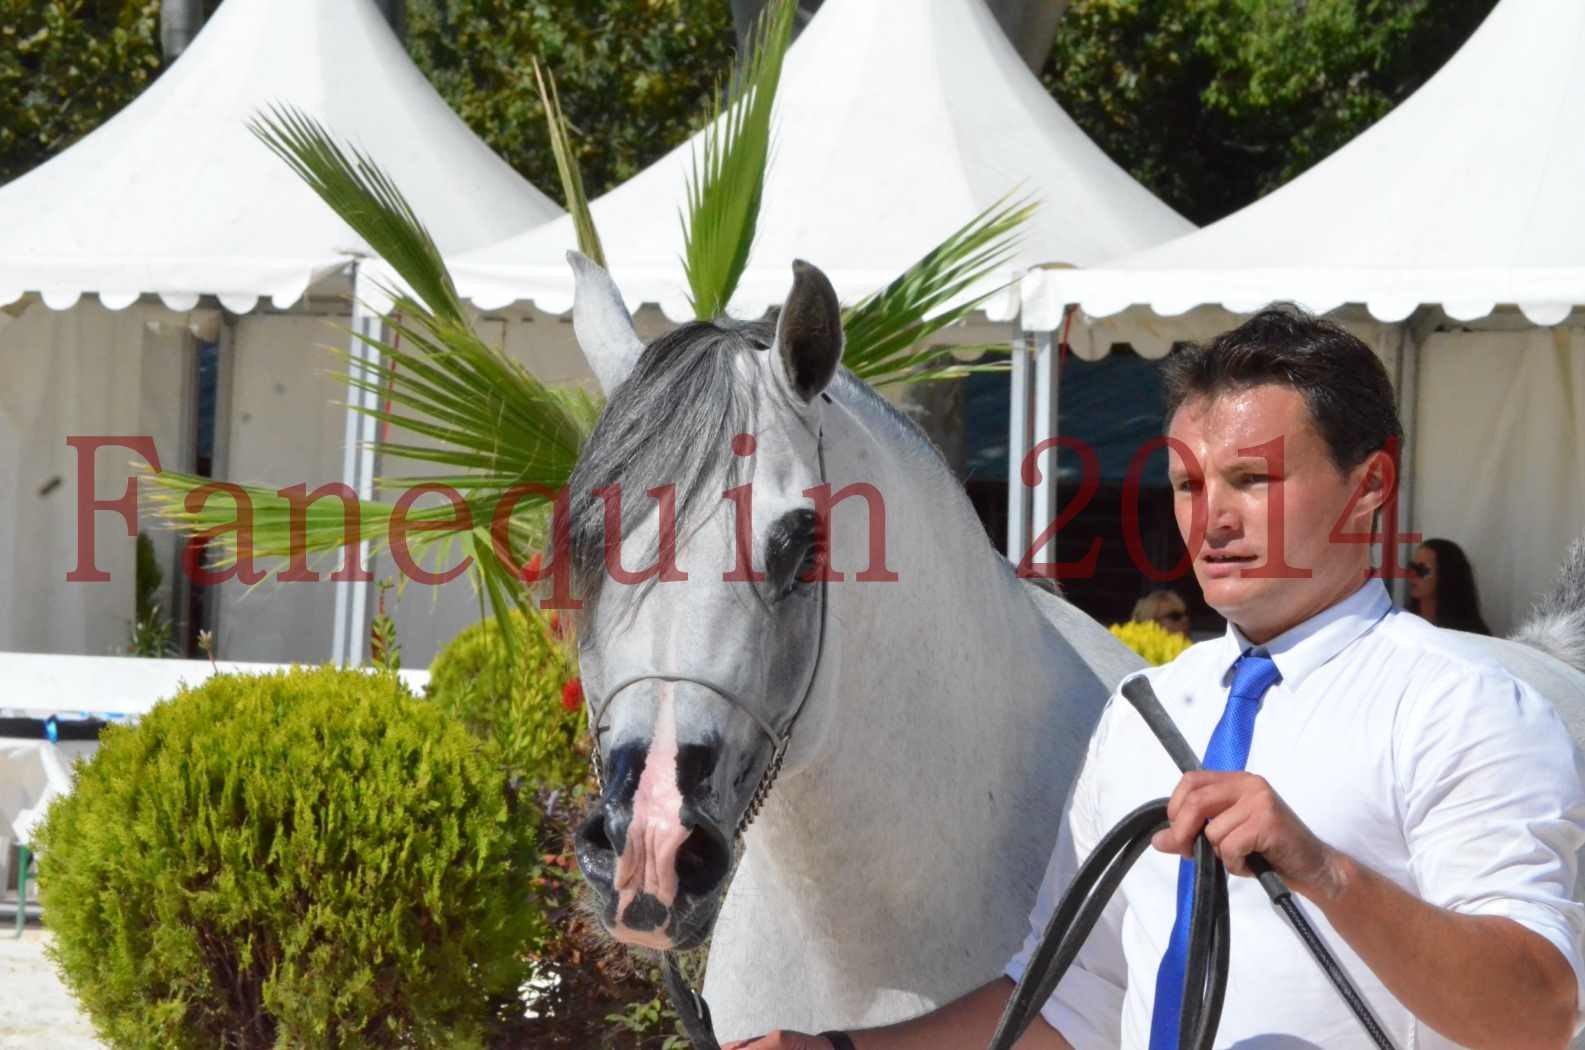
809,332
601,324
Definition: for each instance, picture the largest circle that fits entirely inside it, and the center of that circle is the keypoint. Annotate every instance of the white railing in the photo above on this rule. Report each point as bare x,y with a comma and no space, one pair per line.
51,683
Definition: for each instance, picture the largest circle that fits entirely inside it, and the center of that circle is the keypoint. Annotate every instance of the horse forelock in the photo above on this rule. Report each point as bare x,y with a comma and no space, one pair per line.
671,422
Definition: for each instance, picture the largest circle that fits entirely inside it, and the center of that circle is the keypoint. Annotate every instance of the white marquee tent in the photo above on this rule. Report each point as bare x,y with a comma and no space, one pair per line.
896,123
169,209
1451,235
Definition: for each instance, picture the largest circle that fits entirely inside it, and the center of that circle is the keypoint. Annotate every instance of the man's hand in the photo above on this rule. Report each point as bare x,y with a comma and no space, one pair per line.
1241,814
1480,980
779,1040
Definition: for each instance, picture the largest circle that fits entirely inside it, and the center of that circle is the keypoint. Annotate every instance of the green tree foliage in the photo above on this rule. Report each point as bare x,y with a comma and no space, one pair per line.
1212,103
66,66
636,77
310,859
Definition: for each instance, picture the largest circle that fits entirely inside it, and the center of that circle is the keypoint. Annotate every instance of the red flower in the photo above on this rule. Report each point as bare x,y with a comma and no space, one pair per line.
531,570
554,620
572,694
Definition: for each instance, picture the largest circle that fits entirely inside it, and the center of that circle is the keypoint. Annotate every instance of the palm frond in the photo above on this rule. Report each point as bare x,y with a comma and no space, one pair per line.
727,177
487,413
475,421
481,423
886,330
567,166
265,529
361,193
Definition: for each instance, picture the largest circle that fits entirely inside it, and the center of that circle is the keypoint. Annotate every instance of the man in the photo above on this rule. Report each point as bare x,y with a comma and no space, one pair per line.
1427,807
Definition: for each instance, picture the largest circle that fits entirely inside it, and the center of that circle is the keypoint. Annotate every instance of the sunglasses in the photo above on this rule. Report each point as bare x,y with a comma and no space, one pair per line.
1175,615
1420,569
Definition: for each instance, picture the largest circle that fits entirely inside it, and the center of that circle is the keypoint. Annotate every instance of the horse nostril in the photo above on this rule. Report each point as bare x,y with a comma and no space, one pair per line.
592,842
702,862
593,833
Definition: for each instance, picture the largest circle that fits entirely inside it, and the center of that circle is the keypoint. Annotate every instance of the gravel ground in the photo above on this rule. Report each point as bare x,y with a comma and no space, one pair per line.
36,1011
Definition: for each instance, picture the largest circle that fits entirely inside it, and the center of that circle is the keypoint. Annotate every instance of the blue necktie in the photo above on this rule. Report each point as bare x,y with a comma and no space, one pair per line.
1227,752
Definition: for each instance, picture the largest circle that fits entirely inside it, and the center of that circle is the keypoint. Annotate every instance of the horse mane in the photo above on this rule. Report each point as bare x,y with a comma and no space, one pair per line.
671,422
1557,625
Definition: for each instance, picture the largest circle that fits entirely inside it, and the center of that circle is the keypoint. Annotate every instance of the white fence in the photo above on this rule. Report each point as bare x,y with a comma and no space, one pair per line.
43,684
38,685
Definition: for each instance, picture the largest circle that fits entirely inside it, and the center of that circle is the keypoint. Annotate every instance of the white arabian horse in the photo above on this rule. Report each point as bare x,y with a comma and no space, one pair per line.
936,706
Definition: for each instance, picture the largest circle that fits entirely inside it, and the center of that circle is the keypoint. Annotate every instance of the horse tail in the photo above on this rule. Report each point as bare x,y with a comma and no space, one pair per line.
1557,624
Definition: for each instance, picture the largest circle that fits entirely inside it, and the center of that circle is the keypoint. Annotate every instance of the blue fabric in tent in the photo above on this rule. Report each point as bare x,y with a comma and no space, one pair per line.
1115,405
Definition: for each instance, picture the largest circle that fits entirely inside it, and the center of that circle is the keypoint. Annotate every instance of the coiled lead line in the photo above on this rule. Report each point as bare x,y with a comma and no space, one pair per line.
1205,980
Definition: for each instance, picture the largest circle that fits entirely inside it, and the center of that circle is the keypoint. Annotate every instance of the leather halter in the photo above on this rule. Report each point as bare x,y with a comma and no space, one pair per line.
779,738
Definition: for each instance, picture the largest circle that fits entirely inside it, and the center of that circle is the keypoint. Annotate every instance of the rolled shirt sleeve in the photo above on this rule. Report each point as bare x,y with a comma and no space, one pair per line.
1087,1006
1494,809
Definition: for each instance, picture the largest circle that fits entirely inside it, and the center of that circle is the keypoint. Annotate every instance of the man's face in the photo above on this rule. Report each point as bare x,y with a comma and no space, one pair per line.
1272,504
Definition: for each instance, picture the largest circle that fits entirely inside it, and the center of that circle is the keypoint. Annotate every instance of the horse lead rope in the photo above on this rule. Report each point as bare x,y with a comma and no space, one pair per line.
690,1005
1205,982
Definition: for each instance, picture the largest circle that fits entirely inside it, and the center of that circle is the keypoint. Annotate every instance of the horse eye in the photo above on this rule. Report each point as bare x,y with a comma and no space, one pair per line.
793,549
807,566
796,580
814,553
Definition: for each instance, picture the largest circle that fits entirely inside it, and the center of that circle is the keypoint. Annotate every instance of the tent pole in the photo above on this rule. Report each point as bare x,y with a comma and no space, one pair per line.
1018,496
1043,510
1408,387
219,467
357,470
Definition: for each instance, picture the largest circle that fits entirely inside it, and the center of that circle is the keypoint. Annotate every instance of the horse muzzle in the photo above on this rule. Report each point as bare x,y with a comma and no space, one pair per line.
657,865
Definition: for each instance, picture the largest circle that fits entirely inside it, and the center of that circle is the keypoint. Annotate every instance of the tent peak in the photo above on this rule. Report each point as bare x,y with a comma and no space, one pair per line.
174,196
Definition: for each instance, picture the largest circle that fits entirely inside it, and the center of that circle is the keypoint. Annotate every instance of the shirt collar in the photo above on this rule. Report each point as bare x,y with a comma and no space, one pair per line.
1307,646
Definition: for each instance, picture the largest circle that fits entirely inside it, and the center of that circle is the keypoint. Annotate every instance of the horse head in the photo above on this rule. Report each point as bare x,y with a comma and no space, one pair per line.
698,554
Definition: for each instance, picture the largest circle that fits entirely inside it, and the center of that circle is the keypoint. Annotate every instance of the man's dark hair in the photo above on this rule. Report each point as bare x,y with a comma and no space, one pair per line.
1344,385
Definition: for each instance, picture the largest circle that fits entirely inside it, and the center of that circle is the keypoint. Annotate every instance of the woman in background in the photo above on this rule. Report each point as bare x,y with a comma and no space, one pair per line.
1166,608
1442,588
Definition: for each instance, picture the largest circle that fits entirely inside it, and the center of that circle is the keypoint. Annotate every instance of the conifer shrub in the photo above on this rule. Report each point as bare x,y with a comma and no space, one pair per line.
528,711
312,858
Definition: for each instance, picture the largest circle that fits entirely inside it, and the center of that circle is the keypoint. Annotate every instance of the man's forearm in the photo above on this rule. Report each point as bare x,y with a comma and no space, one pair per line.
962,1024
1482,981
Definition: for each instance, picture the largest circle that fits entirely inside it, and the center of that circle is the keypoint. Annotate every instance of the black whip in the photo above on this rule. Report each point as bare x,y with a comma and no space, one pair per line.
1138,692
1206,977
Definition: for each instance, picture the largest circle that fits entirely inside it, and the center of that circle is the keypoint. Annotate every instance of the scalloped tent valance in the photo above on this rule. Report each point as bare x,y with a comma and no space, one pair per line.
174,197
1466,197
896,123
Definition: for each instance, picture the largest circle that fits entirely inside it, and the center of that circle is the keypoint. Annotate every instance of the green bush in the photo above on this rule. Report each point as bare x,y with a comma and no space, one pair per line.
527,711
311,858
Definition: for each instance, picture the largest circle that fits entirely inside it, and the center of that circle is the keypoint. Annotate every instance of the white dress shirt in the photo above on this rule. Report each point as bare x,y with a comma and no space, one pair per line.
1393,742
